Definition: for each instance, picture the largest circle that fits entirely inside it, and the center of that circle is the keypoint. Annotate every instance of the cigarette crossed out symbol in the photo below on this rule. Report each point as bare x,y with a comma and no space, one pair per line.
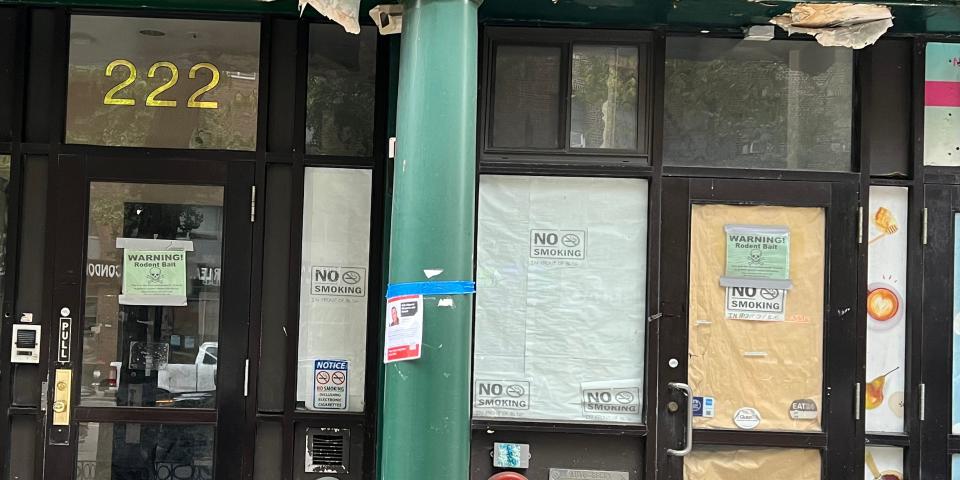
515,391
351,277
570,240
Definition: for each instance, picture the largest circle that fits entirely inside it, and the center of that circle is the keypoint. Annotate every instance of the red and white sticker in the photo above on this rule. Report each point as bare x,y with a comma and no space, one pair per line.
404,332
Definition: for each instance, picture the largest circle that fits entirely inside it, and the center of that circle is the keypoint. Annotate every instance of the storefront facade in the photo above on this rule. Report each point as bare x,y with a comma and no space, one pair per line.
695,255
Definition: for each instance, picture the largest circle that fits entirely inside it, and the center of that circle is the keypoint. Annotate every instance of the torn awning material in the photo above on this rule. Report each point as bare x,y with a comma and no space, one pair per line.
344,12
838,25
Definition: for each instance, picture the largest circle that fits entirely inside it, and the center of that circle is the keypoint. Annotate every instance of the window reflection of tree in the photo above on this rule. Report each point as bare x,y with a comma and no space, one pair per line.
736,104
341,86
605,96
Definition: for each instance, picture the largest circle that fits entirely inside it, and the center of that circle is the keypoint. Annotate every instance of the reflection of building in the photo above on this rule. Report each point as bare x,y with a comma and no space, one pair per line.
231,127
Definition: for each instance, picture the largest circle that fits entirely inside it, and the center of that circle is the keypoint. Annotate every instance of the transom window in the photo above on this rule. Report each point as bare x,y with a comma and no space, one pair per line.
579,93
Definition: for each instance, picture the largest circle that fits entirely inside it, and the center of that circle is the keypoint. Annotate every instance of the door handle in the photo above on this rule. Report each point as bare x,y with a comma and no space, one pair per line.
688,438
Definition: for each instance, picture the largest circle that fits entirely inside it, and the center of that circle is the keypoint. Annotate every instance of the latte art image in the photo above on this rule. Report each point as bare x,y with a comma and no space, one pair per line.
882,304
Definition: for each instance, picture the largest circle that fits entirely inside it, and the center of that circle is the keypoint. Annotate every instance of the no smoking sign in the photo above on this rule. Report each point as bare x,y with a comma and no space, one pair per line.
330,386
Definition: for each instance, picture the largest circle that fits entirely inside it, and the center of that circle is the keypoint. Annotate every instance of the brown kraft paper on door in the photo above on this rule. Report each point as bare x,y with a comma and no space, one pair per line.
761,365
729,463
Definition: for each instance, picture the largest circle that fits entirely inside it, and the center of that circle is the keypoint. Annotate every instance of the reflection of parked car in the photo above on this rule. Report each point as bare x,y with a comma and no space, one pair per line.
109,384
200,376
87,391
188,400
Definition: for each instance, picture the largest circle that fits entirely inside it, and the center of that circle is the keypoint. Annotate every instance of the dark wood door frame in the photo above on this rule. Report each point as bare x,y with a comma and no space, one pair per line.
71,177
842,453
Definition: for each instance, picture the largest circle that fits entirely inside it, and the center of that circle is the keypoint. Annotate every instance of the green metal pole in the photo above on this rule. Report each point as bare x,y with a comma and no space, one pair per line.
426,405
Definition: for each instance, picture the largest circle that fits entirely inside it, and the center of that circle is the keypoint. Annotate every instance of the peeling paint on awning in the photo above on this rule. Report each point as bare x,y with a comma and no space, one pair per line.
838,24
344,12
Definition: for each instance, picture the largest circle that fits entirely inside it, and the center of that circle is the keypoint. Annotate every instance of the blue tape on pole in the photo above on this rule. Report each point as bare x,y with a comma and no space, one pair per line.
431,288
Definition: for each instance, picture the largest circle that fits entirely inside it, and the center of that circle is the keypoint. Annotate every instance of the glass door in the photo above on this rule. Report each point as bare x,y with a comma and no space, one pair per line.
758,330
941,333
151,284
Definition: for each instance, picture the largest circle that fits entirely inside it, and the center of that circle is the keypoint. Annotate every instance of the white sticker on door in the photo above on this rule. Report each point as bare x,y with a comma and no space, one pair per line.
501,394
747,418
758,304
610,398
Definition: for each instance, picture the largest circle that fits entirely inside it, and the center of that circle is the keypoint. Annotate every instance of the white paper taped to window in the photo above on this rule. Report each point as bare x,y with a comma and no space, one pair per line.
334,279
561,281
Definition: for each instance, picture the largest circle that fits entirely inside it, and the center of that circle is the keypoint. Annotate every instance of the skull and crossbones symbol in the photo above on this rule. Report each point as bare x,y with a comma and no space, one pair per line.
756,257
154,275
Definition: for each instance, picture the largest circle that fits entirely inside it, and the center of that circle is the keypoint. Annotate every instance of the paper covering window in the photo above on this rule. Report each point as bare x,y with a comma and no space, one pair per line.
333,289
561,279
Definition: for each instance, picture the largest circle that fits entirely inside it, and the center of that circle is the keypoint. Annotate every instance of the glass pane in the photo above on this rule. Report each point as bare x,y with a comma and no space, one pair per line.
886,107
31,294
731,463
883,463
756,344
779,104
956,327
23,445
4,212
341,85
275,291
941,146
526,103
886,309
561,279
144,451
955,466
333,289
604,98
268,453
152,313
155,82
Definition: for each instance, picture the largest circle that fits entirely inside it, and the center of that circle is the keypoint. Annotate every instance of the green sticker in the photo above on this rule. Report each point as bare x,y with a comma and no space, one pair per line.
758,252
154,277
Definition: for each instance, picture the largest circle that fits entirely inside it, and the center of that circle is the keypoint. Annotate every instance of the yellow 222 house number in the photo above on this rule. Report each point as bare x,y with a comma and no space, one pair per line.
152,101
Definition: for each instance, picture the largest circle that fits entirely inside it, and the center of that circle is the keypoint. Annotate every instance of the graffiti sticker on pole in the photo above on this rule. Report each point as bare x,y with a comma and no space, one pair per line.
404,332
330,384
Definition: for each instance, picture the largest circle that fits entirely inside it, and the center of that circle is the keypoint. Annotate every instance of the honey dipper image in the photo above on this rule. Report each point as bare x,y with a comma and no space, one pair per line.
885,222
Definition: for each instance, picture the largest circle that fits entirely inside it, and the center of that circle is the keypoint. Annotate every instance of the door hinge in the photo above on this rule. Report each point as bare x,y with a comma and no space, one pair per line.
43,395
253,203
923,402
860,225
924,225
246,377
392,147
856,401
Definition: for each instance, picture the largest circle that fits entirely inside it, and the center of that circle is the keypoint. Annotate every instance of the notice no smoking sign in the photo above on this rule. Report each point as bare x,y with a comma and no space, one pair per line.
330,384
